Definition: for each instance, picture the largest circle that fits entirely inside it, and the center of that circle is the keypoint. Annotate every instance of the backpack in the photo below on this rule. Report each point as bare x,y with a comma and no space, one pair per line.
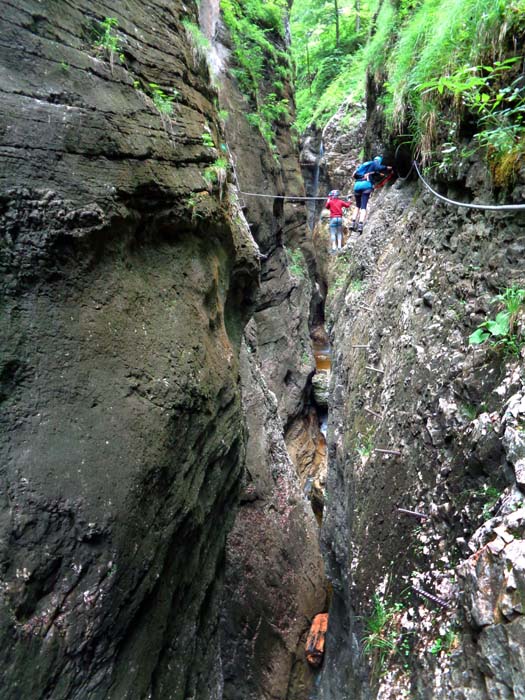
363,169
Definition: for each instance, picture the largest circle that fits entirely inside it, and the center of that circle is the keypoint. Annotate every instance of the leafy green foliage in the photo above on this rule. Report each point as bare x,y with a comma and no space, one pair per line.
201,44
501,331
497,328
306,358
445,643
297,264
207,139
108,41
216,174
490,496
499,107
440,65
193,203
163,101
252,23
513,299
446,68
469,410
326,68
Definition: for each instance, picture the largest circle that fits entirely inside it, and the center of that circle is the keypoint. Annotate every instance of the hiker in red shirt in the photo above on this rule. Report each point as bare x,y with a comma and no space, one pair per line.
335,207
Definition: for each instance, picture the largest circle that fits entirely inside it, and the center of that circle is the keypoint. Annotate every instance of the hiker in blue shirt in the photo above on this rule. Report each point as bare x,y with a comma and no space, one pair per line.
363,188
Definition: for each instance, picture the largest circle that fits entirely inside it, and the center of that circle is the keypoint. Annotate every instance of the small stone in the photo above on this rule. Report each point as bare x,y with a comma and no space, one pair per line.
496,546
502,532
429,299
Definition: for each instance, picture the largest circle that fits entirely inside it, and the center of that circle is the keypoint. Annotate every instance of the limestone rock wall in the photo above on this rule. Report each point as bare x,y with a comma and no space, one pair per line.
423,422
275,580
126,284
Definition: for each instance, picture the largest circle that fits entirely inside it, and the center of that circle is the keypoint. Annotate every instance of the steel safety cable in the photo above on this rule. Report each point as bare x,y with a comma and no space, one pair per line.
489,207
280,196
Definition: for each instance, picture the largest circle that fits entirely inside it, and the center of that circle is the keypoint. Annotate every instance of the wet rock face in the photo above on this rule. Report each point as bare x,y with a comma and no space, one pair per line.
275,582
274,575
421,421
126,286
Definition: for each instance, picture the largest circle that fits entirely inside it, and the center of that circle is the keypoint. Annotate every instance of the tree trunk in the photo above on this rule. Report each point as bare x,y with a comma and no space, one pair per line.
336,24
357,15
308,67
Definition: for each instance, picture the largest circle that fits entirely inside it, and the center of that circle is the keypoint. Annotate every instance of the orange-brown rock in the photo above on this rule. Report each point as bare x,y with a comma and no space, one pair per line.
316,640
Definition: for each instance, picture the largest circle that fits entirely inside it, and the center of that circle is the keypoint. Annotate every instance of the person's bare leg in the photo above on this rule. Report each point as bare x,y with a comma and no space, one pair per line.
362,219
355,217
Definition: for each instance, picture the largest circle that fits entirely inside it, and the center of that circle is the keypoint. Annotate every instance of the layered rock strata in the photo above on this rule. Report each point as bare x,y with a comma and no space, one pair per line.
126,281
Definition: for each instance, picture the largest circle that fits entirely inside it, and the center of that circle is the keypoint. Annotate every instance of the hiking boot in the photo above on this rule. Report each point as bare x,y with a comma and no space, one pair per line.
360,228
353,226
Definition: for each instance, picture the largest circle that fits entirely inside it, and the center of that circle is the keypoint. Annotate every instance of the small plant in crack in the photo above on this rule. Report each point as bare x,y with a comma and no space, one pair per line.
193,203
163,101
200,43
164,104
108,41
491,495
502,332
305,358
469,410
296,263
445,643
364,445
216,174
381,637
207,139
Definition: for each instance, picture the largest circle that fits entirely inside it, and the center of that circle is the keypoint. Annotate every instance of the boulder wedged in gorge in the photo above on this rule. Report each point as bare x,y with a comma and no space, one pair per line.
126,284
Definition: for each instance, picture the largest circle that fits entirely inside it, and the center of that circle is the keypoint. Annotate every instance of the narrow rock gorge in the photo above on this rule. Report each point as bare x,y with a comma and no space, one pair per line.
213,428
425,484
155,347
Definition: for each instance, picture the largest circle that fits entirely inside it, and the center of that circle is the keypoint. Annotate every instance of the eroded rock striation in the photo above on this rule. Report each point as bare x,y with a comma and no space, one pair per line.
126,282
129,275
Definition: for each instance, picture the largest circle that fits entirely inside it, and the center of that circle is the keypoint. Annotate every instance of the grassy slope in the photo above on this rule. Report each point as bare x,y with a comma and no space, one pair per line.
416,51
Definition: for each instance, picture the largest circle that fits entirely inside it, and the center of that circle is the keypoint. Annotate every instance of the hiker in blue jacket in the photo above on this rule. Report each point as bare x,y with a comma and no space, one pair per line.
363,188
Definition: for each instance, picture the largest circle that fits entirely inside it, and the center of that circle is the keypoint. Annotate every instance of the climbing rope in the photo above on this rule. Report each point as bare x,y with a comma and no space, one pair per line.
490,207
383,182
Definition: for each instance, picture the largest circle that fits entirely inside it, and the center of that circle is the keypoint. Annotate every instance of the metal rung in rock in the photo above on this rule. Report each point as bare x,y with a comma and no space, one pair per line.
431,597
413,513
